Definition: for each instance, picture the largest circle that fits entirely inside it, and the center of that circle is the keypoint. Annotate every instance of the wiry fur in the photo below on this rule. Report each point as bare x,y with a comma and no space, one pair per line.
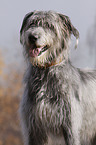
59,102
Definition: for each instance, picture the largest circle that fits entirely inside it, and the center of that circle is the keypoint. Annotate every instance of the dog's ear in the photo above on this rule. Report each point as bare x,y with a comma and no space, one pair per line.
24,23
71,28
25,20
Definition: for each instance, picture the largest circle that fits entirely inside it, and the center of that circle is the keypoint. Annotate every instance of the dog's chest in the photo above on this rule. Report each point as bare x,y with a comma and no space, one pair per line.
51,105
52,85
51,89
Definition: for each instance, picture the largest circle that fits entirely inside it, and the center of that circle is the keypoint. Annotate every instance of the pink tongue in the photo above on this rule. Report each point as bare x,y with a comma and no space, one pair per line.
35,52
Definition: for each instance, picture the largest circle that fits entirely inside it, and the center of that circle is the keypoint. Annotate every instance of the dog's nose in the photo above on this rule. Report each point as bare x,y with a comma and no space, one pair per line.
31,38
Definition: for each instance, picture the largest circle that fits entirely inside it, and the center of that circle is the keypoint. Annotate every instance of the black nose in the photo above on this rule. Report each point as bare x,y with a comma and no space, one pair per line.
31,38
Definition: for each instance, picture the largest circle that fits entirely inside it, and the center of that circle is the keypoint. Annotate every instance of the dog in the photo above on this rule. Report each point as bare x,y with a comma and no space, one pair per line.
58,106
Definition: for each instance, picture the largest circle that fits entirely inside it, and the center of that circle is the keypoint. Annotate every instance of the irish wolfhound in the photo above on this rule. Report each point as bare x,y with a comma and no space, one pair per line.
59,102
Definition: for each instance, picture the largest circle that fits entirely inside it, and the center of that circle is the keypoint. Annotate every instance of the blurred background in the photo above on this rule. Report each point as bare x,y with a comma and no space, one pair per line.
12,64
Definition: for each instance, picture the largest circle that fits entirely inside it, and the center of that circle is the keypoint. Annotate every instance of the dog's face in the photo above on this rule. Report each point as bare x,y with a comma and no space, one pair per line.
45,36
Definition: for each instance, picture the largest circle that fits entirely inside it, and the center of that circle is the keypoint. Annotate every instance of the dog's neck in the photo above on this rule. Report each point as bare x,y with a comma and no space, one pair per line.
53,63
56,62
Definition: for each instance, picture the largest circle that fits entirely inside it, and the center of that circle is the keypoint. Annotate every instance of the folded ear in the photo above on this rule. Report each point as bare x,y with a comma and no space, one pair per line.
24,23
71,28
25,20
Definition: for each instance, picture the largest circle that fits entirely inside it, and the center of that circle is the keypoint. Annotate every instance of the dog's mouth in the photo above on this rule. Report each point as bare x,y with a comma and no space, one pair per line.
34,52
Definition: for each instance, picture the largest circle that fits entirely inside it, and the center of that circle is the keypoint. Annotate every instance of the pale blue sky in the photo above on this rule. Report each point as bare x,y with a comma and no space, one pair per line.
81,13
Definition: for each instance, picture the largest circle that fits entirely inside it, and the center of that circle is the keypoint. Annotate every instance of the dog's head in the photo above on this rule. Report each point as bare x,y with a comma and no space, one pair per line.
45,37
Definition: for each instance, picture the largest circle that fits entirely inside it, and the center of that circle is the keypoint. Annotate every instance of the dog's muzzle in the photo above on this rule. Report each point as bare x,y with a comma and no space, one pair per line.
35,50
